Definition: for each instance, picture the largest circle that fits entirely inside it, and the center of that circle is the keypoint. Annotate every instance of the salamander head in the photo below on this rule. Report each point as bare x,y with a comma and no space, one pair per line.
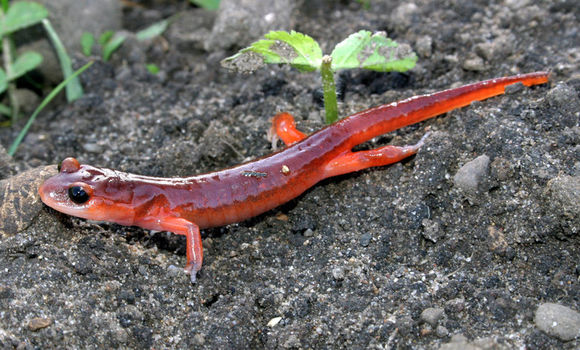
89,192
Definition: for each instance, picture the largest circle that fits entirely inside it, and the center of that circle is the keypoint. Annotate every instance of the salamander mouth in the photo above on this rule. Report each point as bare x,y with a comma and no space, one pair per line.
55,195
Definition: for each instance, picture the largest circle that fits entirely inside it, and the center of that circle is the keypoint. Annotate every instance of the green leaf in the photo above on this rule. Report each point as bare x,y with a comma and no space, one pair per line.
25,63
211,5
106,37
74,90
5,110
21,15
3,81
374,52
297,49
152,68
111,46
152,31
87,42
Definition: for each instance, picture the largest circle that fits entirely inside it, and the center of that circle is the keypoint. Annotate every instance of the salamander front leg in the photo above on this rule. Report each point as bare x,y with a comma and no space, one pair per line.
284,128
354,161
194,248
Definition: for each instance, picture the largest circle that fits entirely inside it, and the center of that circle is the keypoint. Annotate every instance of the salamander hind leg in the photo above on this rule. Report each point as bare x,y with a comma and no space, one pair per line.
355,161
284,128
194,249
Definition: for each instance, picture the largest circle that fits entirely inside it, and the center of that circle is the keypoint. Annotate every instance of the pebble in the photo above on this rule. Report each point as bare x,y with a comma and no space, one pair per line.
469,176
441,331
241,22
6,164
566,103
558,321
424,46
564,199
20,202
460,342
402,16
432,315
474,64
39,323
338,273
431,230
365,239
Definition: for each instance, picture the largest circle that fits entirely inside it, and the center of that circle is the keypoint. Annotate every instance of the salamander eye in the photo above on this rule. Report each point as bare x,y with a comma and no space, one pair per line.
78,194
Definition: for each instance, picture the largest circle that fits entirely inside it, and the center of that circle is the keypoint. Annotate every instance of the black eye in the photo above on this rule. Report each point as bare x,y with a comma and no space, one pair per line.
77,194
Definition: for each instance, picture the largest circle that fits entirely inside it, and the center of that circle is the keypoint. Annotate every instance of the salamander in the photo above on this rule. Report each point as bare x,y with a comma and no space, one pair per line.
186,205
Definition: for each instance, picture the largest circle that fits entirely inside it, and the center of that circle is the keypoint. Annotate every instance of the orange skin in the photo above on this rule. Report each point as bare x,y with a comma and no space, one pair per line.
185,205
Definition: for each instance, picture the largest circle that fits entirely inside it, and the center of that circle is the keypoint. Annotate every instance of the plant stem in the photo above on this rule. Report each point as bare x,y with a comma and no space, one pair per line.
7,57
329,90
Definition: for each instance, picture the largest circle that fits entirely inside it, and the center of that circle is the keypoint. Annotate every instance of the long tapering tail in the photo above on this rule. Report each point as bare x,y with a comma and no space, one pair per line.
383,119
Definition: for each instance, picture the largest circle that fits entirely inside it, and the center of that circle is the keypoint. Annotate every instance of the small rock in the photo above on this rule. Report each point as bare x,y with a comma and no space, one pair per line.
39,323
240,22
6,164
474,64
402,17
27,100
566,103
454,306
562,95
70,19
365,239
431,230
460,342
20,202
441,331
517,4
484,50
92,147
501,169
514,88
190,29
432,315
424,46
292,342
338,273
274,321
469,176
558,321
564,199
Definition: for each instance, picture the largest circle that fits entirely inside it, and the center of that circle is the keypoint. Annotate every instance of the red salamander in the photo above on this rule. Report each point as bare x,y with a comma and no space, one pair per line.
186,205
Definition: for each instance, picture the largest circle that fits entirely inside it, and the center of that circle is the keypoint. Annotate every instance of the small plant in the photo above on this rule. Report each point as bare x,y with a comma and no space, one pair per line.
110,42
360,50
211,5
16,16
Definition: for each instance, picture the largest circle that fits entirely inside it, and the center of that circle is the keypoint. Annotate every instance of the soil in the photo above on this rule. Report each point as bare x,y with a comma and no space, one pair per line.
356,260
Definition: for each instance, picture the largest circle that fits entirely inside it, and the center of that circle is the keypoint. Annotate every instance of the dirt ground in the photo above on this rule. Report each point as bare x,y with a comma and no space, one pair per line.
402,256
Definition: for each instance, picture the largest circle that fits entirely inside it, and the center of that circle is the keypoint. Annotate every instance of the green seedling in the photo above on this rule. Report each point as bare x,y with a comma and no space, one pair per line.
110,42
14,17
360,50
87,43
211,5
152,68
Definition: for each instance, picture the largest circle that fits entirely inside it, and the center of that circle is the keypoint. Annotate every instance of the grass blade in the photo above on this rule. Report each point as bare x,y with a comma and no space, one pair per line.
74,90
45,102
